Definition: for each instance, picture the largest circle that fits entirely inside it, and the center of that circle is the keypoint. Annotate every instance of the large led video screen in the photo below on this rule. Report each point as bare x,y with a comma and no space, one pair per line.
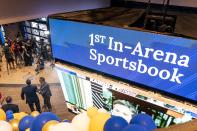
162,62
81,92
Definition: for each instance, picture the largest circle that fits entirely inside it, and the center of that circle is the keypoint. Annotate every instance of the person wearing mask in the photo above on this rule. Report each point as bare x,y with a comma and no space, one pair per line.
10,106
46,93
29,93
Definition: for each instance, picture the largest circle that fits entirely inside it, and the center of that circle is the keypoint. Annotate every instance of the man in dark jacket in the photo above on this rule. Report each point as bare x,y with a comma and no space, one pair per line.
46,93
29,92
10,106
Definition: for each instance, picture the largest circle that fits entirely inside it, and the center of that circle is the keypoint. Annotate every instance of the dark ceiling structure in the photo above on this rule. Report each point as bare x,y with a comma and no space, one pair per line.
20,10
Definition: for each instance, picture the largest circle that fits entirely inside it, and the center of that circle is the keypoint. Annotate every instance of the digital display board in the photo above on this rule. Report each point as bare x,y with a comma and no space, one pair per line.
166,63
83,91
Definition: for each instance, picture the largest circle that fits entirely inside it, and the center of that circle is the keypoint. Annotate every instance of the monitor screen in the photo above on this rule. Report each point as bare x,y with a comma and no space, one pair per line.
161,62
81,92
84,92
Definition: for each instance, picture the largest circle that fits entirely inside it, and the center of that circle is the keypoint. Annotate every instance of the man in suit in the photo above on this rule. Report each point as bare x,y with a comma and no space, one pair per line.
46,93
29,92
10,106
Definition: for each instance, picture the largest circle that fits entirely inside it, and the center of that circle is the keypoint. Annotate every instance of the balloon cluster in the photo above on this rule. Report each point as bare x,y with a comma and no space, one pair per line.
92,120
104,122
10,121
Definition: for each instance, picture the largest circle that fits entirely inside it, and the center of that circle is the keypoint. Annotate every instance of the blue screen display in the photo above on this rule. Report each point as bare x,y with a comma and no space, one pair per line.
166,63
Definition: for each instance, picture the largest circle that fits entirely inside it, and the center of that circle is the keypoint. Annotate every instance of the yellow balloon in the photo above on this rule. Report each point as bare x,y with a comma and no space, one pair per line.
23,114
28,129
92,111
97,123
16,116
49,124
14,123
19,116
35,113
2,115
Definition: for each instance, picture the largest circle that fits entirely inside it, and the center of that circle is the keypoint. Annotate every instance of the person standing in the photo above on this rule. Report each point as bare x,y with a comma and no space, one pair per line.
15,49
8,56
46,93
40,65
29,92
43,49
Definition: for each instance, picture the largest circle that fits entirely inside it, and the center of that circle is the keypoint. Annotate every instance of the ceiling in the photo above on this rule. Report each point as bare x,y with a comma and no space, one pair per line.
11,12
20,10
186,3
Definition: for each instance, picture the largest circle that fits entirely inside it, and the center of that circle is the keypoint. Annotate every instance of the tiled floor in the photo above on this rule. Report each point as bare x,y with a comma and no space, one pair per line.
11,84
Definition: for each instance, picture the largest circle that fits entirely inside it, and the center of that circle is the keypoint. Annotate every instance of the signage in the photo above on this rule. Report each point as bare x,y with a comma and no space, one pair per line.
166,63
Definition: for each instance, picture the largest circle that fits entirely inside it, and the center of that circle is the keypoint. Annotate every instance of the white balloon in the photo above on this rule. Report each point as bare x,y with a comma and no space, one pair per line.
81,121
5,126
63,127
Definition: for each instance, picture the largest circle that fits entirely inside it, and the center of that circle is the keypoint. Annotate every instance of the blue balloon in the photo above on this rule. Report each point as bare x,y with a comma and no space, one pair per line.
9,112
42,119
145,121
9,117
115,123
134,127
25,122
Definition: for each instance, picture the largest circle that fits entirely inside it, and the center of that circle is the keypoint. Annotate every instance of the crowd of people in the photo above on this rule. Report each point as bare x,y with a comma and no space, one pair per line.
29,94
21,52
